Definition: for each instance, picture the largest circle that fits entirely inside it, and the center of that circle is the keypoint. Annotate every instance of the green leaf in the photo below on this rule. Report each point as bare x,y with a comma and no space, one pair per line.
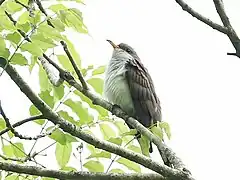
50,32
73,18
24,18
33,63
6,24
18,150
57,135
8,150
58,24
129,164
2,43
107,131
64,61
57,7
68,168
42,41
12,177
103,112
82,112
63,153
67,117
12,7
19,59
157,131
43,79
32,48
58,92
131,132
99,70
70,138
94,166
97,84
2,124
4,53
14,37
166,127
33,110
122,127
135,149
47,98
102,154
116,140
24,27
144,144
115,170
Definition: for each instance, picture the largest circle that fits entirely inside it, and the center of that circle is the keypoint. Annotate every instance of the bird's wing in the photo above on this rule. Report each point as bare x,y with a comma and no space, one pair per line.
146,103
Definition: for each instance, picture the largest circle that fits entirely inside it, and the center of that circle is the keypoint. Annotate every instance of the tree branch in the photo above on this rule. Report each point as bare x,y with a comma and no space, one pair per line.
17,134
232,35
33,170
79,74
38,2
200,17
1,1
22,122
76,131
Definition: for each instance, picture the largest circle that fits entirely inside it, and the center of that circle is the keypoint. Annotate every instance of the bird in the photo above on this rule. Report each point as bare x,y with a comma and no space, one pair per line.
128,84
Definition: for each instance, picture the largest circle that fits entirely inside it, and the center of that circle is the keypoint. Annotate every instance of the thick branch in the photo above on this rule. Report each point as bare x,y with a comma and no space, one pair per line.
33,170
76,131
225,20
200,17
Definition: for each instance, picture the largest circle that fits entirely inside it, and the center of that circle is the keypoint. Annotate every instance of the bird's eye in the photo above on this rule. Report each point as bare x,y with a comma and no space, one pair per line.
128,50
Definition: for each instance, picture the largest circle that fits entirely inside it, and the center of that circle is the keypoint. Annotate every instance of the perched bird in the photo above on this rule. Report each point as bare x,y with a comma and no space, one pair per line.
128,84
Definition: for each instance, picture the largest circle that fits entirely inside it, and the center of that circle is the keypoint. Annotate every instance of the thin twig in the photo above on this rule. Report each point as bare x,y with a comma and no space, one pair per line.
79,74
19,123
44,12
17,134
18,2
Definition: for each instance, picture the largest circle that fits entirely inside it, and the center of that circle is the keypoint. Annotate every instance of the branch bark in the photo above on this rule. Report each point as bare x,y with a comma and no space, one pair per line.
37,171
202,18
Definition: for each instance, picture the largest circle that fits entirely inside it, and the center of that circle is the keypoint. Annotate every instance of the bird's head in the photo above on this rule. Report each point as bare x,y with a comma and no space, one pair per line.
124,47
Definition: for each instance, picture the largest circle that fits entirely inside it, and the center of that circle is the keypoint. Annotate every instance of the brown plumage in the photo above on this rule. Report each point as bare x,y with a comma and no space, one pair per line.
127,78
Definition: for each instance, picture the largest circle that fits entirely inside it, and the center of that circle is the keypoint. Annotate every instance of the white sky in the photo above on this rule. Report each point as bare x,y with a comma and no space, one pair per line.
197,83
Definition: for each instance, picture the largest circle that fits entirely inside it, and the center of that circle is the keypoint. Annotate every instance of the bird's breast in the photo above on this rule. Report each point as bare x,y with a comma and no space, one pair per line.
116,89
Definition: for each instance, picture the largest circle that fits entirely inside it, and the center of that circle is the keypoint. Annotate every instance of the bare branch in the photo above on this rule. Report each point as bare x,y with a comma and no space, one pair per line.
200,17
22,122
79,74
76,131
33,170
1,1
225,20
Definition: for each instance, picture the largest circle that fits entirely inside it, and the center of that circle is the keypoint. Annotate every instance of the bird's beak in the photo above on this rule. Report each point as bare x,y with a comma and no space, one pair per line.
113,45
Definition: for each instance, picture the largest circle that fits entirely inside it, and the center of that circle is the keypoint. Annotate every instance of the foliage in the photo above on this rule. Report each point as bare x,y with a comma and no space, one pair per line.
67,102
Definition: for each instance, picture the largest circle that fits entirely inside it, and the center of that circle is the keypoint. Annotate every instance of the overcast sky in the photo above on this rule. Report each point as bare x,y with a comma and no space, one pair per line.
197,83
